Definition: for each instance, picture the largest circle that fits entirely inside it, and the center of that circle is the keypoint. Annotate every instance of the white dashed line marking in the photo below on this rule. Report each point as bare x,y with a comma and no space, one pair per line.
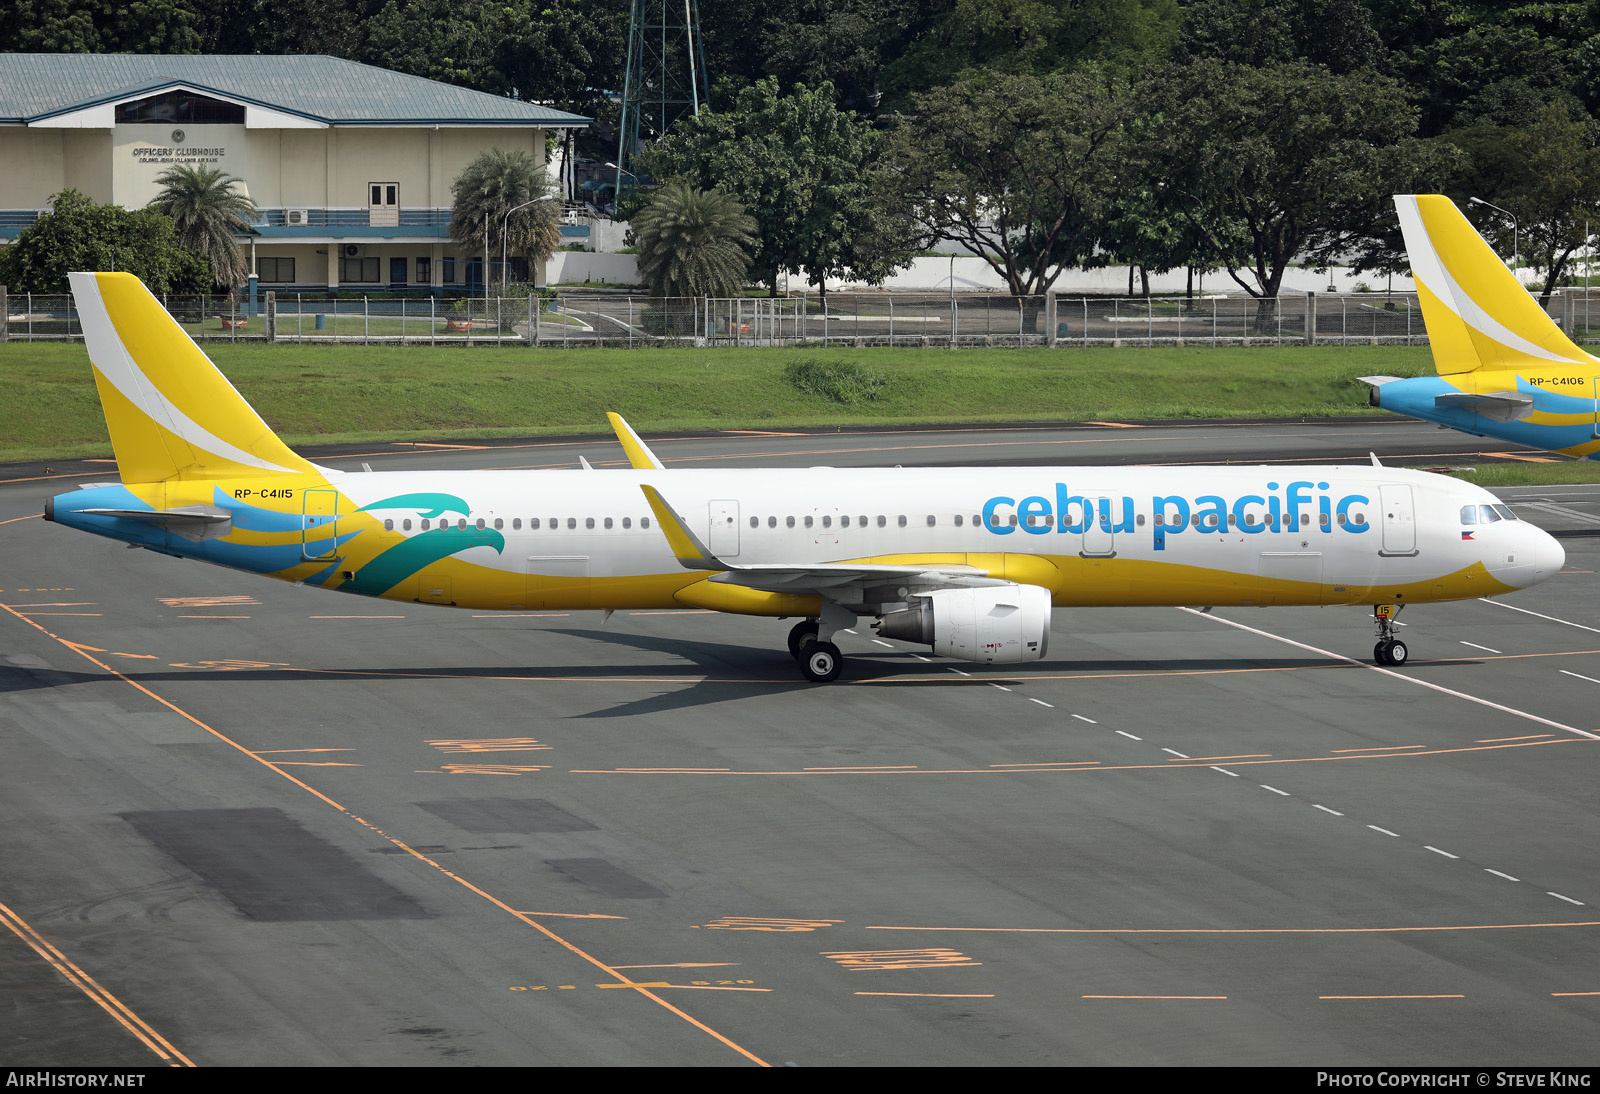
1497,873
1176,753
1124,732
1275,790
1475,646
1325,809
919,657
1002,687
1525,611
1042,703
1580,676
1436,851
881,642
1224,770
1385,831
1568,899
1091,721
958,672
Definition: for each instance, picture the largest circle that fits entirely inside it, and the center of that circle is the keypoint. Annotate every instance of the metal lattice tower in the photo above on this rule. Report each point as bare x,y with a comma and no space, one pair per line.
666,77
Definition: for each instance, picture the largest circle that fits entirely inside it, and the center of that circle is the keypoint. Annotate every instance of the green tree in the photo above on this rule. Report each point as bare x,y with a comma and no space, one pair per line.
1338,34
1019,169
102,26
812,176
1547,176
208,214
503,202
78,234
692,242
1272,165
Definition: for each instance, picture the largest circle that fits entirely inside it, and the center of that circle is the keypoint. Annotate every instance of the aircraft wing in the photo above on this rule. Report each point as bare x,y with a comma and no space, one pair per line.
692,554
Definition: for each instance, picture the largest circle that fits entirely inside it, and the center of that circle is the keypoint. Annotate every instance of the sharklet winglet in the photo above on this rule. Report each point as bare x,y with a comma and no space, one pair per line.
686,546
639,454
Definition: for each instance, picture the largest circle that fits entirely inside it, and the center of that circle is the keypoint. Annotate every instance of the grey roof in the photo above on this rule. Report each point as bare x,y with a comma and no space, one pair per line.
327,89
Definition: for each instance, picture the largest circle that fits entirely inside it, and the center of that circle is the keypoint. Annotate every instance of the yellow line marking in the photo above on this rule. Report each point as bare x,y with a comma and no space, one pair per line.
1390,748
87,984
683,965
590,915
30,516
925,995
1154,997
419,856
1564,994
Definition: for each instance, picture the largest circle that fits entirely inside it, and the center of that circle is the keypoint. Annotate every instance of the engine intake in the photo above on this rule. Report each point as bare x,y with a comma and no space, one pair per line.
1003,624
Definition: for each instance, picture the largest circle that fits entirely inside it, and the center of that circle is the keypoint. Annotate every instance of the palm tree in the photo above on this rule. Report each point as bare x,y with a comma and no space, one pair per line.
691,242
208,214
494,185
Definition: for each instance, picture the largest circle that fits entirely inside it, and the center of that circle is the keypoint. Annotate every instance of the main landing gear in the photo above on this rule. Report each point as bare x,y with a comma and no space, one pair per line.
819,661
1389,650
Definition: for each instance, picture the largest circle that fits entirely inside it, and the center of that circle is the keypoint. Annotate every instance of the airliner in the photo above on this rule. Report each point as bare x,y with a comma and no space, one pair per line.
1505,369
967,562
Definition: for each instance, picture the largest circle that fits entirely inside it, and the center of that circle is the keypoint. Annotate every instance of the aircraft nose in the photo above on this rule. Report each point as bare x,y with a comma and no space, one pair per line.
1530,555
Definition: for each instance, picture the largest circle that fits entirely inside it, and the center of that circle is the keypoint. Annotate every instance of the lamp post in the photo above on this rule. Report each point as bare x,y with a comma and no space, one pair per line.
618,187
1516,253
505,223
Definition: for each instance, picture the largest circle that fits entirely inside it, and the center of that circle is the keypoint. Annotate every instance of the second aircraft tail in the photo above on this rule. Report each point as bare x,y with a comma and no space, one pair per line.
170,412
1476,312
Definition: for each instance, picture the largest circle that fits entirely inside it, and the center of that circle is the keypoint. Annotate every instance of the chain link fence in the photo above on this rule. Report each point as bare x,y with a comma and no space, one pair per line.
587,317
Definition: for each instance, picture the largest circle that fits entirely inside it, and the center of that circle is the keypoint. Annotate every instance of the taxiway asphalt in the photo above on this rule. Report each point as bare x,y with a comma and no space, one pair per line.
250,823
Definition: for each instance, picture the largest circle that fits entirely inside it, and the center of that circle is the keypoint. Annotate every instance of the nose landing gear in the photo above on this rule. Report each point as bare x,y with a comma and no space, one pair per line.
1389,650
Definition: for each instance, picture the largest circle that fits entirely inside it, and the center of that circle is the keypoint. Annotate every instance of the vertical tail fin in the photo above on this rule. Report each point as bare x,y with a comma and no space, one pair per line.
170,413
1476,313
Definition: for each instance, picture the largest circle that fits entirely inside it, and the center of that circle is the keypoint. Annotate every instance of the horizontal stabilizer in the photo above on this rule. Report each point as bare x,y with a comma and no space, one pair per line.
1499,406
1379,381
192,522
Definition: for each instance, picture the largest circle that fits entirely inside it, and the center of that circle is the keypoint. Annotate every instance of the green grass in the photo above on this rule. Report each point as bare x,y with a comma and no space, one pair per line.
331,393
1492,475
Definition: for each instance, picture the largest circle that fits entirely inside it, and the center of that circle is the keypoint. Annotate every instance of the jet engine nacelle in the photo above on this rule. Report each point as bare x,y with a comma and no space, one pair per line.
1001,624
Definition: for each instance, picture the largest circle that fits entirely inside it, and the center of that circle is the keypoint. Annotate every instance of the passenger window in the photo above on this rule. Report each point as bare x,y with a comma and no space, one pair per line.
516,524
1013,520
1358,519
755,522
1341,520
902,520
644,522
788,522
844,521
932,520
994,520
1139,521
462,524
533,523
588,522
608,524
827,522
405,525
772,522
425,524
958,520
480,524
499,523
1161,520
572,522
388,526
808,522
862,520
883,521
1323,520
627,522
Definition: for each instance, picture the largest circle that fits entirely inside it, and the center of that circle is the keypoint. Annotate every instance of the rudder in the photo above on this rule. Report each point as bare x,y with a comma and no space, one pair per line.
1477,314
170,412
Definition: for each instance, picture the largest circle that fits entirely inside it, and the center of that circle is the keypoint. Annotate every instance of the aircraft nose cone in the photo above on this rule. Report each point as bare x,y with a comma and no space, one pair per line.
1527,556
1549,556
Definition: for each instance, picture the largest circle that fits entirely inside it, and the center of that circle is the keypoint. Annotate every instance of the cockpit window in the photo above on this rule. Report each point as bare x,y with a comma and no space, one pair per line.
1469,514
1487,514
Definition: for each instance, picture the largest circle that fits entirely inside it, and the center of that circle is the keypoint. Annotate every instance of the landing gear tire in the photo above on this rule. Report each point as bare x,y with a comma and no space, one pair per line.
821,662
1391,651
801,634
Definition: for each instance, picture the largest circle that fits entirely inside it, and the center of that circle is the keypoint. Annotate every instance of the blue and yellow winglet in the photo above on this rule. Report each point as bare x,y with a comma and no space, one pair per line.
639,454
686,546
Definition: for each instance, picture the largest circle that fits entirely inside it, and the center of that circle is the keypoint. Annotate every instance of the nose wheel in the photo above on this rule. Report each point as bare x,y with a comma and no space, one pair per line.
1389,650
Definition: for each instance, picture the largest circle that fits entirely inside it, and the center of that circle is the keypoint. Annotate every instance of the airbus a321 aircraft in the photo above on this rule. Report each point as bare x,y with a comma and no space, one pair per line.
1505,370
967,561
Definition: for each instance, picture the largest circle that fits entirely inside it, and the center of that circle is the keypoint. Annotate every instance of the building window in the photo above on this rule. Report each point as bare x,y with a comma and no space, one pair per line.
447,271
358,269
179,106
276,270
424,270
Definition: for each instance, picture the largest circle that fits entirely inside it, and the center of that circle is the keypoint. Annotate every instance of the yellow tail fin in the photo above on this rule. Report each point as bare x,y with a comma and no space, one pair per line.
1476,313
170,413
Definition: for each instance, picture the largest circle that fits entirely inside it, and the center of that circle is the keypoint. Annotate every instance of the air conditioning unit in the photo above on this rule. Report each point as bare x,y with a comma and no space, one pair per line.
297,218
352,250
